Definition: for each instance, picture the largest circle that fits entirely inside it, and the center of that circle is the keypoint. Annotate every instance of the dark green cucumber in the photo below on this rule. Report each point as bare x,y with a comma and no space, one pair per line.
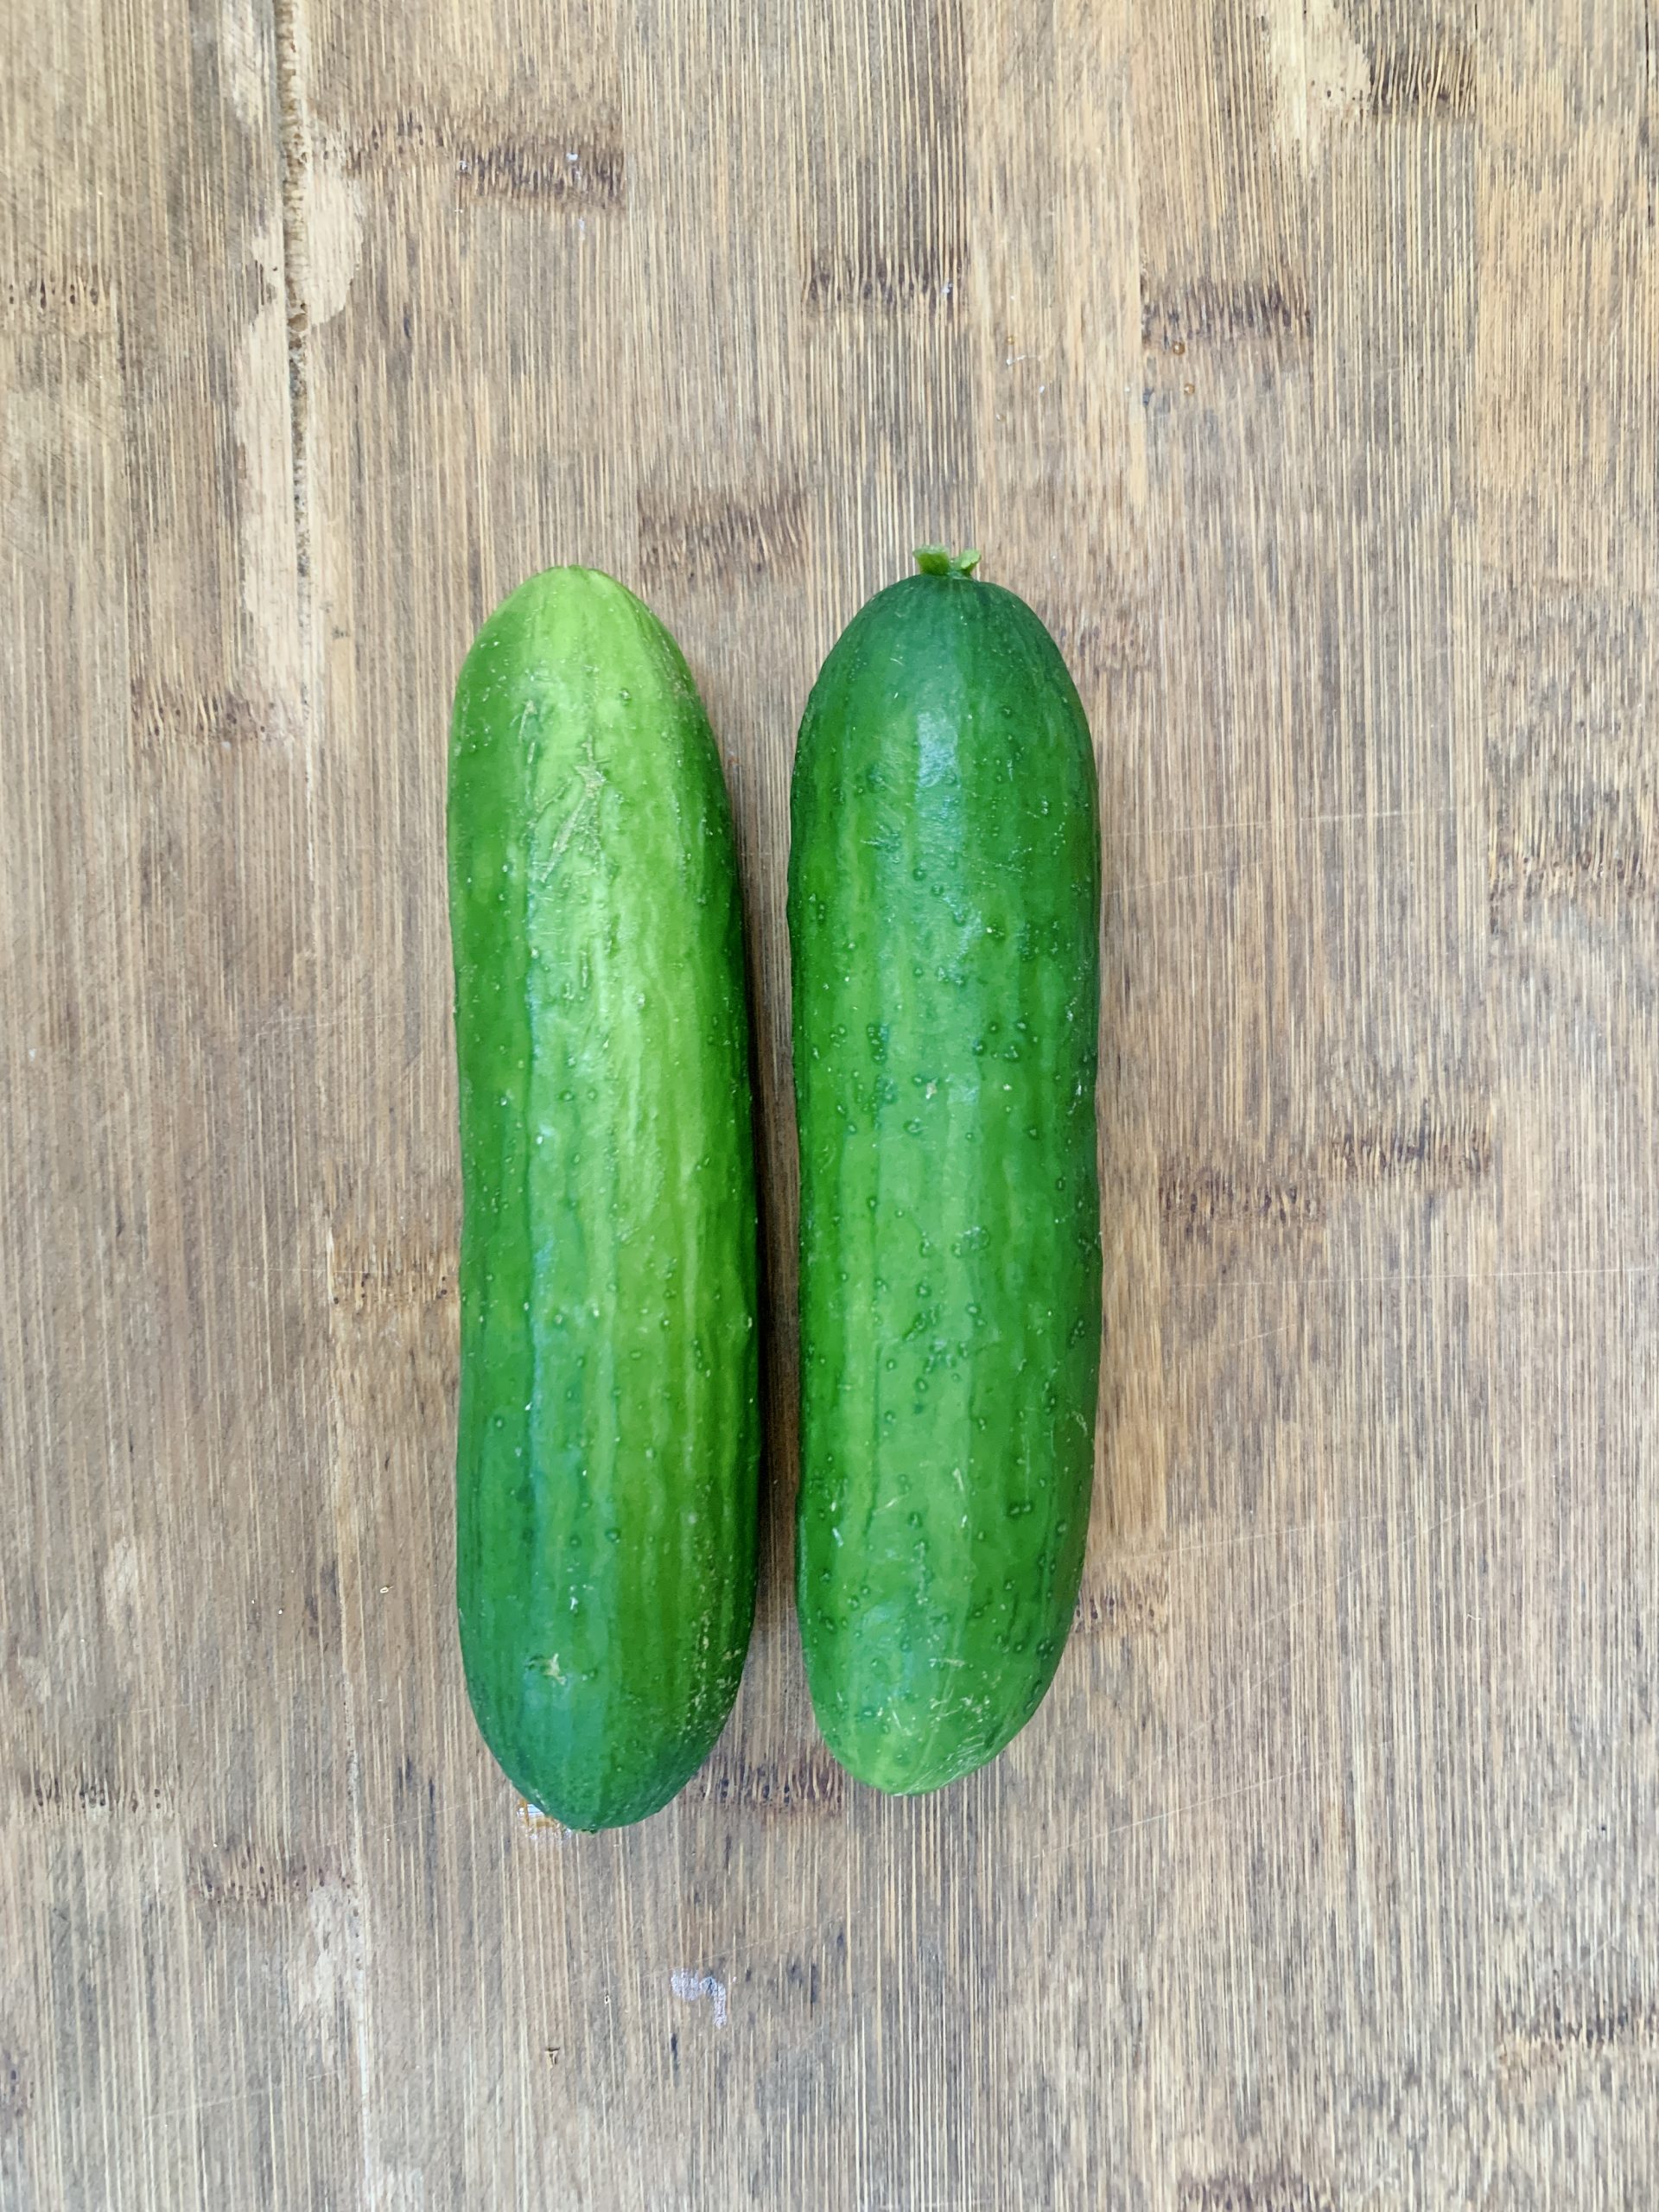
944,899
609,1425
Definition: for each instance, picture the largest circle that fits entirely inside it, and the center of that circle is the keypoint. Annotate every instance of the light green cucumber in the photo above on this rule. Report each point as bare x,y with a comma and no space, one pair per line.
609,1427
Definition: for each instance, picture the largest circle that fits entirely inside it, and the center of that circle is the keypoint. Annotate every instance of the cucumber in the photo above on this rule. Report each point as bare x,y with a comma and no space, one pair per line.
609,1431
943,903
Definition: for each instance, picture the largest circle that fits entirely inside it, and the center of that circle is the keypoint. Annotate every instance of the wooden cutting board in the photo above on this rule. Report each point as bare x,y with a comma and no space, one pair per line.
1296,359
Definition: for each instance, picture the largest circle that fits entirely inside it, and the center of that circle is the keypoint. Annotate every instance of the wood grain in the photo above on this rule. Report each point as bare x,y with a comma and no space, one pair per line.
1300,360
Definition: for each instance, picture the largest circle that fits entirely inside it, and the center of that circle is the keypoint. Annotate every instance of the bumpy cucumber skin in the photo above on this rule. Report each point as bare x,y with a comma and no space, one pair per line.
609,1430
944,905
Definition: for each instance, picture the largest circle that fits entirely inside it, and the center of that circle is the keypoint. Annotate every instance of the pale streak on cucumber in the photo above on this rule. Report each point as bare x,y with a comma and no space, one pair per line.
593,780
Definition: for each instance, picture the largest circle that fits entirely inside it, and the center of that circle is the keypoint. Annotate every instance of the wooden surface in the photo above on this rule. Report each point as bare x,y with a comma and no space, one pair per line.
1297,359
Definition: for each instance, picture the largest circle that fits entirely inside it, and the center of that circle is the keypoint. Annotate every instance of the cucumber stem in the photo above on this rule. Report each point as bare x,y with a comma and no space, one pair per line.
940,561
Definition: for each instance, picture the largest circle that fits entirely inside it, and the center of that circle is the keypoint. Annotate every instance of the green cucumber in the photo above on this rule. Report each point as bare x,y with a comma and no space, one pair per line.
609,1430
944,905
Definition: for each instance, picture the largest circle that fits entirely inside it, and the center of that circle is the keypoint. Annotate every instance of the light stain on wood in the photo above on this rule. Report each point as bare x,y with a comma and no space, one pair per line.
1298,362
